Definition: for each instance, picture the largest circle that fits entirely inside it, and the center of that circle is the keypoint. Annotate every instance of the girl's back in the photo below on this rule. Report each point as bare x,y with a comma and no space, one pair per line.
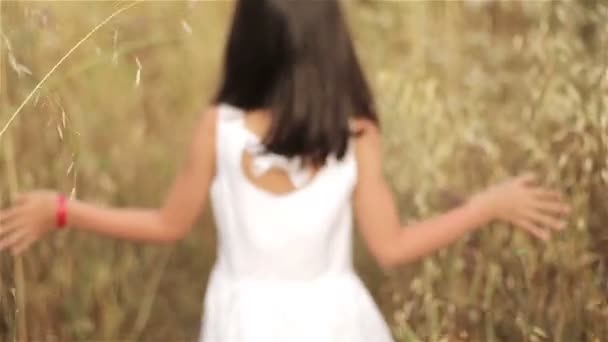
284,268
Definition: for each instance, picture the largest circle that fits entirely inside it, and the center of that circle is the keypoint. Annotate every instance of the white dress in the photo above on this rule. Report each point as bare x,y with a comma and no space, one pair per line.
284,270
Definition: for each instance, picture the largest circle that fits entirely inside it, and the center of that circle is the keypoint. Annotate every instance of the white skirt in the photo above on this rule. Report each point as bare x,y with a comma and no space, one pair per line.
335,308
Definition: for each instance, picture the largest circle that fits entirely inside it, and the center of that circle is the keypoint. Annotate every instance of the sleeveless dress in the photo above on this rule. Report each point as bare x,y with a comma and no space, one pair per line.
284,270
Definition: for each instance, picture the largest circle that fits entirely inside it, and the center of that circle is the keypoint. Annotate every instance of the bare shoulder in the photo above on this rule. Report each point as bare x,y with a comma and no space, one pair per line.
368,147
203,143
363,126
208,122
368,138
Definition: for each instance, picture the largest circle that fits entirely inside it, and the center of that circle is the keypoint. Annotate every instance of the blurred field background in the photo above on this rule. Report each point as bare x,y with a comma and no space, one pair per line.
469,92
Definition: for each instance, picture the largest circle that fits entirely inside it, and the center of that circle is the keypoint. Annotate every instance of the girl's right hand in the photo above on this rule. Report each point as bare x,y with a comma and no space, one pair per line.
32,216
526,205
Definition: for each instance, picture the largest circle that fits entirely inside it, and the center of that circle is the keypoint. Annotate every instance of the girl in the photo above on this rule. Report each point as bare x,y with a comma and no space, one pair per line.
289,151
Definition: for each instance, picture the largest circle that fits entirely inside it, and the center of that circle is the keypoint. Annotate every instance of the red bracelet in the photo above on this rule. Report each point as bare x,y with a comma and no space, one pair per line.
62,212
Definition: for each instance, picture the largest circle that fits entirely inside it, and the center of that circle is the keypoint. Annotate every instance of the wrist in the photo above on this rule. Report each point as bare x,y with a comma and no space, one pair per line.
483,206
61,213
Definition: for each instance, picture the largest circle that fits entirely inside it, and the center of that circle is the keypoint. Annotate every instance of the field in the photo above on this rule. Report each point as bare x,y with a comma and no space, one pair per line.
469,93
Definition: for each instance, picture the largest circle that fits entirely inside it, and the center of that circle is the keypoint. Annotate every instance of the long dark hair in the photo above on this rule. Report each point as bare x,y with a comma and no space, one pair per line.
296,59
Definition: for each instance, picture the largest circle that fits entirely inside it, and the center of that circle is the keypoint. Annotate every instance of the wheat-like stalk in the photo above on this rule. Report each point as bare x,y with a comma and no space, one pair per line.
20,284
48,74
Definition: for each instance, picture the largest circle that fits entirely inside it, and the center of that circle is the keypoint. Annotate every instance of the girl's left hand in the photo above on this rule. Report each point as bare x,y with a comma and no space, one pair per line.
31,217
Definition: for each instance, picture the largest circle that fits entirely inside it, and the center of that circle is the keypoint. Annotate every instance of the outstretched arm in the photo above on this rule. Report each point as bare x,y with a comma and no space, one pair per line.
517,201
34,213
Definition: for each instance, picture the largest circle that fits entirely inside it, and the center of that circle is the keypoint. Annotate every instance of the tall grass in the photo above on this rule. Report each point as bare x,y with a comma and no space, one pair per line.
468,94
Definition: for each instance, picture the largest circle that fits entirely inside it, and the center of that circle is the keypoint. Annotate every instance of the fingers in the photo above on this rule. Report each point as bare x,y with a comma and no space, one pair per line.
531,180
13,238
23,245
528,178
547,221
547,208
533,229
554,208
10,226
8,214
534,208
548,195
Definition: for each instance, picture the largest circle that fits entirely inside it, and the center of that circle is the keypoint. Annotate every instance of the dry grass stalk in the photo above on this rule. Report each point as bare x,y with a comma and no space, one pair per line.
50,72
